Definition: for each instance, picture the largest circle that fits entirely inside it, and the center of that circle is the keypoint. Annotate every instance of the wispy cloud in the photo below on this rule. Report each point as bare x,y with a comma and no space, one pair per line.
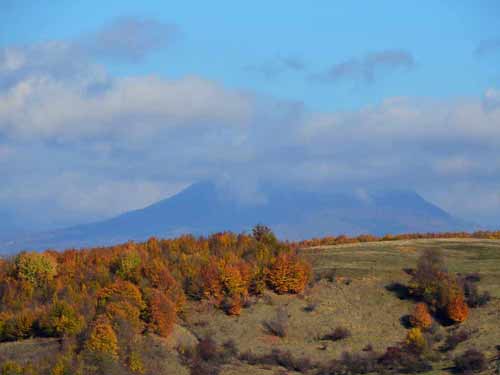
278,66
130,39
368,68
491,99
488,46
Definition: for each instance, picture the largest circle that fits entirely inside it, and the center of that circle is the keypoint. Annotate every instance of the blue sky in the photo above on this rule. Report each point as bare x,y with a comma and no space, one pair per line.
220,40
110,105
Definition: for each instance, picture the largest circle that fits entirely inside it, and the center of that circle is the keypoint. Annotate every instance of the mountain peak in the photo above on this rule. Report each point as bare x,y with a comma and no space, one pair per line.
203,208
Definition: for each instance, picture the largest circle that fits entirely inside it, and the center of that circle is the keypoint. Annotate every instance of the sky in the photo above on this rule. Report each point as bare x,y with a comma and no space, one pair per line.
110,106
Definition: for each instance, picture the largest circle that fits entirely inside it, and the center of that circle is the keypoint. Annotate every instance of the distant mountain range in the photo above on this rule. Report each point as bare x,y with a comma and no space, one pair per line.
292,213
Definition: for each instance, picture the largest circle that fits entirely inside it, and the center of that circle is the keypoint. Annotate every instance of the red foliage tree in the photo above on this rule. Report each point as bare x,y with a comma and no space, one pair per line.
162,313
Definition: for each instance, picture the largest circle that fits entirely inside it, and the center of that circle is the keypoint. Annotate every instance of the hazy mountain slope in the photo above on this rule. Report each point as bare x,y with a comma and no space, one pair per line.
292,213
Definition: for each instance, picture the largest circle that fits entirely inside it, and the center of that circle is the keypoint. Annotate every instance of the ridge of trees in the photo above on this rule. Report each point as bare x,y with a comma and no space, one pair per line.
344,239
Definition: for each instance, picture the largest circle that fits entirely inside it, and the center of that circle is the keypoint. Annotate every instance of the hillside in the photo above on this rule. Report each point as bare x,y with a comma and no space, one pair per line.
292,214
352,292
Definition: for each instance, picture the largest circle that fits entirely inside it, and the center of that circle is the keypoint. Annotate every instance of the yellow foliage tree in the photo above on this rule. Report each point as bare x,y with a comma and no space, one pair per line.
62,320
135,363
35,268
103,338
415,339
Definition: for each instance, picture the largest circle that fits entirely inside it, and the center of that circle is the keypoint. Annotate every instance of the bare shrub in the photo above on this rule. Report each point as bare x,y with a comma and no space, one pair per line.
473,277
472,295
279,325
337,334
204,368
311,306
455,338
400,290
208,357
400,360
229,350
351,363
279,357
470,361
207,349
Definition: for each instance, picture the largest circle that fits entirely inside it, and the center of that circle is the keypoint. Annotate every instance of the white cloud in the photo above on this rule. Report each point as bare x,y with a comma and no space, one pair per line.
78,144
40,104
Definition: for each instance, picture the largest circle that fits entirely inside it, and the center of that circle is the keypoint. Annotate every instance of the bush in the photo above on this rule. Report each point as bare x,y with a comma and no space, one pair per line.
329,275
207,358
351,363
207,349
311,306
337,334
279,325
470,361
472,295
473,277
455,338
281,358
402,360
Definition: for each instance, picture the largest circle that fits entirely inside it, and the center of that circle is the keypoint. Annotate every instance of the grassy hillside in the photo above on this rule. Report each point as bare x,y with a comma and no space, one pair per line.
352,294
359,301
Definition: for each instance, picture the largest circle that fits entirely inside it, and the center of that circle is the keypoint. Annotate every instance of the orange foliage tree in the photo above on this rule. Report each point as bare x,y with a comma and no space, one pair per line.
457,309
226,282
420,316
122,303
288,274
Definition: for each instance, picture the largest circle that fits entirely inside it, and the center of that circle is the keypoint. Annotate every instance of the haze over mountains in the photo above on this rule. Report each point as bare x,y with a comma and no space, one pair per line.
293,214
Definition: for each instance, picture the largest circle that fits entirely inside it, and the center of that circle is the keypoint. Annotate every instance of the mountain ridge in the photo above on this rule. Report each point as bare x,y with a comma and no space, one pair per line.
294,214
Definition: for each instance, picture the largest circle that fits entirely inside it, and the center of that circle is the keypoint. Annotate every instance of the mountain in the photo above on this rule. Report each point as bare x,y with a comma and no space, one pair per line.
292,213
